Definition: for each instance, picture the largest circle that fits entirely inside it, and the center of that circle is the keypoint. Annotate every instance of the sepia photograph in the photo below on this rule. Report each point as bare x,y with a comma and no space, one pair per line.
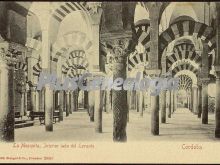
109,82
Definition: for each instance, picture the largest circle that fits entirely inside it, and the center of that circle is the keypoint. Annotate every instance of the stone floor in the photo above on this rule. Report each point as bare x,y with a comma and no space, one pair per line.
183,126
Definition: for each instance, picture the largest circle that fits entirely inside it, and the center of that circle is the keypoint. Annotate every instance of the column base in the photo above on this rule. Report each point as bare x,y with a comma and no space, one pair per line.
217,133
204,121
163,120
49,128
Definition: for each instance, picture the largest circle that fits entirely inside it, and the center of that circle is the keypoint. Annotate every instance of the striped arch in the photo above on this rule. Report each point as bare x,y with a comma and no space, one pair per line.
137,59
77,60
189,73
187,28
75,39
181,52
143,35
76,72
185,82
62,9
37,68
21,66
185,66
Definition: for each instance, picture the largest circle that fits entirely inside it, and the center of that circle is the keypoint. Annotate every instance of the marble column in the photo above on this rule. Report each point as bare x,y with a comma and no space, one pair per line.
200,101
37,101
155,115
22,113
86,98
137,100
119,97
172,101
46,64
48,108
25,102
71,102
205,101
98,110
169,104
91,105
191,100
163,106
108,101
140,103
6,102
195,100
41,102
74,102
217,70
33,99
67,103
217,104
61,96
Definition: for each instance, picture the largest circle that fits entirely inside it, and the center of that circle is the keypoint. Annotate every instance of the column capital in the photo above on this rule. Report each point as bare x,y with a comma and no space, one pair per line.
95,11
153,72
205,81
119,48
194,86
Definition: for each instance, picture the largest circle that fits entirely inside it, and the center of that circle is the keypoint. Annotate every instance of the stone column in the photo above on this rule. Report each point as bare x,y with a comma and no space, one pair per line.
155,115
6,102
205,101
98,110
191,100
108,101
71,102
22,113
25,101
86,100
74,102
163,106
61,96
195,100
41,101
217,70
46,63
217,104
48,108
37,101
200,102
54,100
67,103
172,101
33,99
140,103
91,105
137,100
188,101
119,97
169,103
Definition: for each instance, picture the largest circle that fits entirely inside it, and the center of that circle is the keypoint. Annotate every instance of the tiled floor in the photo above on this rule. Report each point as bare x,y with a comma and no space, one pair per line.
183,126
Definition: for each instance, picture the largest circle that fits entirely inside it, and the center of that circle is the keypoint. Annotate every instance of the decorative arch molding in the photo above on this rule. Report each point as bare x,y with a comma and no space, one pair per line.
37,68
77,60
183,52
76,72
75,39
136,59
185,82
189,73
187,28
185,66
21,66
